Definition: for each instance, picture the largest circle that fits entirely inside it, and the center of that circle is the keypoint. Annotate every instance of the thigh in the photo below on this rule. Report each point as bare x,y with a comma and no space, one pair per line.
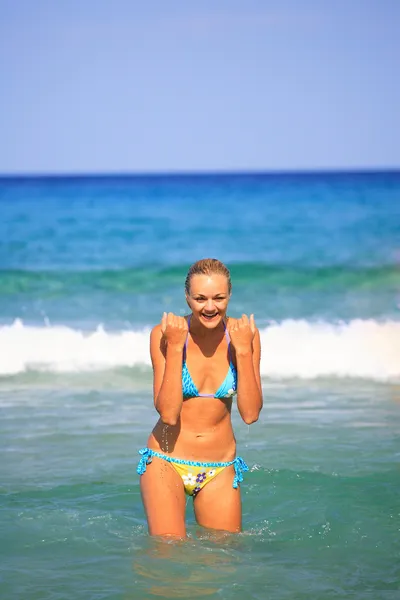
164,499
218,505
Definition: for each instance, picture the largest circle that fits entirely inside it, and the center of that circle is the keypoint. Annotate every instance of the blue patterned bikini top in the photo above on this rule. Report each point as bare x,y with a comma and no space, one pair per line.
227,388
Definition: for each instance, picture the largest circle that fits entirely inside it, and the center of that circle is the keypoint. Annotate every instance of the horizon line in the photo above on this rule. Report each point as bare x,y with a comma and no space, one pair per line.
198,173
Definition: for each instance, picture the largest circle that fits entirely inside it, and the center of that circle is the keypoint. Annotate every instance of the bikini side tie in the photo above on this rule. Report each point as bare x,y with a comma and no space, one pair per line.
240,467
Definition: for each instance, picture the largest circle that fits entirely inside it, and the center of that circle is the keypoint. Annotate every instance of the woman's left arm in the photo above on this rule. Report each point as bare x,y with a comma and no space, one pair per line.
245,338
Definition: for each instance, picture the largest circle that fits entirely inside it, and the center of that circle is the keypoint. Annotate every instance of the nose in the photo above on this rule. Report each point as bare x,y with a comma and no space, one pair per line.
210,305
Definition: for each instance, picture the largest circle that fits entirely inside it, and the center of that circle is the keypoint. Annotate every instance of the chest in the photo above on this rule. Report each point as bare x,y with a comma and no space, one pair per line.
208,368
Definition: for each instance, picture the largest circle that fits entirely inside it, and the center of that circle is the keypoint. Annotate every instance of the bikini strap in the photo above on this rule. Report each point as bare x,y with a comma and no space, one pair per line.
228,339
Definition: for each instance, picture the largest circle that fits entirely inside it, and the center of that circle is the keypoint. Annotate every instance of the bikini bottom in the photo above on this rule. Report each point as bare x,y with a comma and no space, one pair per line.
195,475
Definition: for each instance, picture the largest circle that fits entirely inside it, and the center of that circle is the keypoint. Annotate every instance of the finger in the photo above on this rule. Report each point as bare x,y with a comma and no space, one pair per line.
241,322
170,318
245,320
252,324
164,322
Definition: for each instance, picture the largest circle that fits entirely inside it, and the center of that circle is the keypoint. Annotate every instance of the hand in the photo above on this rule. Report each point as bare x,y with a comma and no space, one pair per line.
174,329
242,332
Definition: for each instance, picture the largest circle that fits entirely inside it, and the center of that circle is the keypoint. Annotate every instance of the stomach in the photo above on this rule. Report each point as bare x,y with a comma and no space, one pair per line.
203,433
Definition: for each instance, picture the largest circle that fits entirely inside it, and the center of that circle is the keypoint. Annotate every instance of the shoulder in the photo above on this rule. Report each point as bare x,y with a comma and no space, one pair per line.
157,342
256,338
156,332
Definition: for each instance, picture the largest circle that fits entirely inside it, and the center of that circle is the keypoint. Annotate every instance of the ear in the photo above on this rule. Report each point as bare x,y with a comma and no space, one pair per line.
187,299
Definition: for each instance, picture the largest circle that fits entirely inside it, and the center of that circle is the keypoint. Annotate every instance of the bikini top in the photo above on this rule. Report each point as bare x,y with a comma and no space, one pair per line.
227,388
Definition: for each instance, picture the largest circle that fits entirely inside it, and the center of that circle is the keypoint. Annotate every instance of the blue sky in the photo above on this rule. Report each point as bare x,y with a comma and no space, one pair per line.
126,86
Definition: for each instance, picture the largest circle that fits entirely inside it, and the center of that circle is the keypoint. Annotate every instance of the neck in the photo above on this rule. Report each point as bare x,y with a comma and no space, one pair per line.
198,329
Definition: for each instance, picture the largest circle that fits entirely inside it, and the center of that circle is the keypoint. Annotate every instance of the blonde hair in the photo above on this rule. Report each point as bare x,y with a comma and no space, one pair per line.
208,266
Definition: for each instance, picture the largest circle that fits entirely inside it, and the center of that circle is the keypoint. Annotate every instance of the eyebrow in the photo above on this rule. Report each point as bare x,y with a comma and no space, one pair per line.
215,295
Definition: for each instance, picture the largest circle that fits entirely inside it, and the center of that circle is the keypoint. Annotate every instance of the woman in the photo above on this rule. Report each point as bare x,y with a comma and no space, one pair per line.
192,447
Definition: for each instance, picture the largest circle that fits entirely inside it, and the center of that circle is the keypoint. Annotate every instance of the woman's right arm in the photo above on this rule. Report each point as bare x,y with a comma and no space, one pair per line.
167,341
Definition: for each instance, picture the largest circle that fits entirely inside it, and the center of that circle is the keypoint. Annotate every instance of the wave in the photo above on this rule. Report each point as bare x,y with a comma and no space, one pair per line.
151,278
290,349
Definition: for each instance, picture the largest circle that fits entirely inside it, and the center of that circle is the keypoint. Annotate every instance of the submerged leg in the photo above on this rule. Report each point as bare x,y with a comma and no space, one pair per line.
163,499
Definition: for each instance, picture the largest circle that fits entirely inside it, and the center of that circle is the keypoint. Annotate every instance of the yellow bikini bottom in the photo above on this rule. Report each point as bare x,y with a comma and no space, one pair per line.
195,478
195,475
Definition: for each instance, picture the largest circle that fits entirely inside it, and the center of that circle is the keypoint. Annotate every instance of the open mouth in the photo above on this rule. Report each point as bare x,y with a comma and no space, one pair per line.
209,317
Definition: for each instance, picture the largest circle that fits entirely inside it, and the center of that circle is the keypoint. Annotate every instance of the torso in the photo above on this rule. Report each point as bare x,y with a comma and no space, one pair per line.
204,431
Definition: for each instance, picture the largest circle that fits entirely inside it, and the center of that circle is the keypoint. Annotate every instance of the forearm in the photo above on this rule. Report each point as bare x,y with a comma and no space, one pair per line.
169,399
249,397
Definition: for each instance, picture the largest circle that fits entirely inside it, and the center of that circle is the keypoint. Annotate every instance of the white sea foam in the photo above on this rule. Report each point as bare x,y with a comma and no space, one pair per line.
358,348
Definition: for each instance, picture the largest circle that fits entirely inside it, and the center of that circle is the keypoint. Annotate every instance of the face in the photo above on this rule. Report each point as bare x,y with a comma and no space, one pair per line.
208,298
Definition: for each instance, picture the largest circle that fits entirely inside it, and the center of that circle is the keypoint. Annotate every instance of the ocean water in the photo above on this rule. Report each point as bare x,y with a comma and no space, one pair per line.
87,266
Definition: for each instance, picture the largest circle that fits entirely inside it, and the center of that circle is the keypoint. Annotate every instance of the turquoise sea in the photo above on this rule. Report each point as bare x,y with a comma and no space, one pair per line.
87,266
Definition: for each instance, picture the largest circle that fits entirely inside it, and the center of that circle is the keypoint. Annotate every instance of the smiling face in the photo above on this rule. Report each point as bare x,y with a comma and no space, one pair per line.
208,298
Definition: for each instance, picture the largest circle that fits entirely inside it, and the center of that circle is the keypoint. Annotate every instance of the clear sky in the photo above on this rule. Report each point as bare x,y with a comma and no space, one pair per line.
128,86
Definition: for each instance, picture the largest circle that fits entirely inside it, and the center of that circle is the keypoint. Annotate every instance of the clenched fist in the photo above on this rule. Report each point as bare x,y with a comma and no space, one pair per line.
242,331
174,330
